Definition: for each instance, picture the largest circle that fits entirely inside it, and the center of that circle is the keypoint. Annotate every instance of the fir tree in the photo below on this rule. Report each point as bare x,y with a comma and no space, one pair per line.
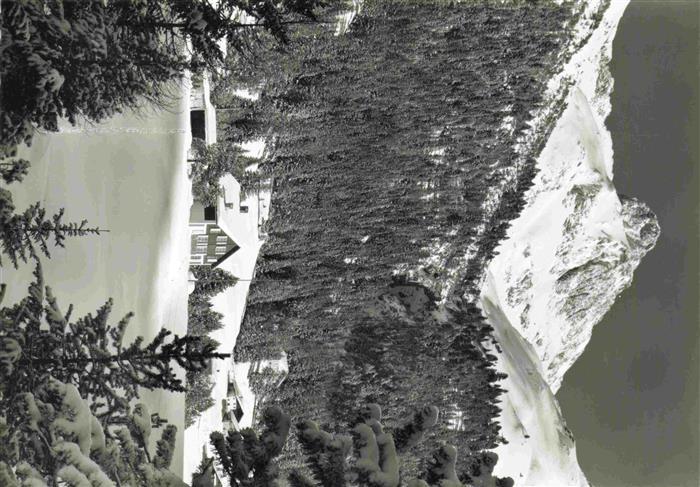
263,383
198,396
212,163
14,170
377,462
93,59
54,439
298,479
90,354
26,234
204,476
366,458
201,317
21,234
388,186
212,281
413,431
442,467
248,459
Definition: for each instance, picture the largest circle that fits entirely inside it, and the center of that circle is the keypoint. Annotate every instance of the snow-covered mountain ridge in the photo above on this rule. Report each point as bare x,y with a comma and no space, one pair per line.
573,249
576,244
564,261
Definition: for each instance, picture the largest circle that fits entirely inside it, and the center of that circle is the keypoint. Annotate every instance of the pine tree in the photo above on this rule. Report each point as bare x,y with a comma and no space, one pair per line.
89,353
248,459
21,234
198,396
387,187
442,467
413,431
377,459
366,458
14,170
204,476
212,281
54,439
93,59
212,163
28,233
201,317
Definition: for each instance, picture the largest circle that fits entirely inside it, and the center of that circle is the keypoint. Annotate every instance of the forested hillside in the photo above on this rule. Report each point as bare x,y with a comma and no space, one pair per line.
387,142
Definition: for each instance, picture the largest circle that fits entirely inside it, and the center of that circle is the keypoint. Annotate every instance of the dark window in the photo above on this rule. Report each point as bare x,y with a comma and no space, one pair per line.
244,209
197,124
210,214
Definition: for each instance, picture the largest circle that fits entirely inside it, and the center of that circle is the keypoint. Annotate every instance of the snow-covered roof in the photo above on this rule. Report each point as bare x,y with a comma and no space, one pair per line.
278,365
241,227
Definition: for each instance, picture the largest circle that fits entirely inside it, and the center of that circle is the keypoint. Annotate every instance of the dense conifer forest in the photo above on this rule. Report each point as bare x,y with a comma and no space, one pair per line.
387,141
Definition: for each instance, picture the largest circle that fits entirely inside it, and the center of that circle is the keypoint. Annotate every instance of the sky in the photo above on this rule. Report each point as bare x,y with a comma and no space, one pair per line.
631,399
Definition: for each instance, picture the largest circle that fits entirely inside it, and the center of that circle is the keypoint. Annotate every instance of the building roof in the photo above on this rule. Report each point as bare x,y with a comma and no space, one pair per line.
241,227
226,255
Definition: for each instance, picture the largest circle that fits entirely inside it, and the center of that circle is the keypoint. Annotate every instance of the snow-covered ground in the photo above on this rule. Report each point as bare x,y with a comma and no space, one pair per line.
127,175
565,259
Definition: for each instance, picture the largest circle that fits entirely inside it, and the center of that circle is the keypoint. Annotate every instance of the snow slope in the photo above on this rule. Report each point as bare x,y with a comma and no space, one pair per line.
127,175
572,250
540,450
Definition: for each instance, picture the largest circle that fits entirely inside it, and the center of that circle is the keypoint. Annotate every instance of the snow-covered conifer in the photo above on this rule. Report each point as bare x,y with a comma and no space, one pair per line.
95,59
248,459
13,170
89,353
59,441
212,281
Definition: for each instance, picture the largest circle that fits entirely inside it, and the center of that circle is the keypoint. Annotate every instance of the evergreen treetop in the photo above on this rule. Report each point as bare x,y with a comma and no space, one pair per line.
26,234
366,458
212,280
54,439
39,339
93,59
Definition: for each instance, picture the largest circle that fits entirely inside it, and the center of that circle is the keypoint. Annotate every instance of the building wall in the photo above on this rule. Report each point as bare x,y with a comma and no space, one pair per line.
196,212
197,95
208,243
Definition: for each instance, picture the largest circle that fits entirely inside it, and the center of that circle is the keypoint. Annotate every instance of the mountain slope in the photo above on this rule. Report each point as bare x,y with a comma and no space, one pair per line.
568,255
